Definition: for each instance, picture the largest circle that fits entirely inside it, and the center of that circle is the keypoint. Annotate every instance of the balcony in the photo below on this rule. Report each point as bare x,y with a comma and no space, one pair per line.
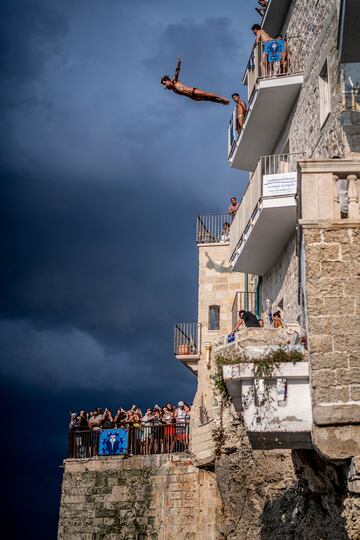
187,344
275,402
274,80
267,215
213,228
243,300
275,16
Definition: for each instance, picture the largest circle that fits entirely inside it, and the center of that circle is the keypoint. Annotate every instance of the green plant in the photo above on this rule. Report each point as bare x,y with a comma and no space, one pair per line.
218,436
264,368
219,384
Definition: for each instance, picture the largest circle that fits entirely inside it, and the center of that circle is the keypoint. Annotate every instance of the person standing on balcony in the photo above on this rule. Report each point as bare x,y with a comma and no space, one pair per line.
225,233
234,207
241,110
262,37
262,10
189,91
277,321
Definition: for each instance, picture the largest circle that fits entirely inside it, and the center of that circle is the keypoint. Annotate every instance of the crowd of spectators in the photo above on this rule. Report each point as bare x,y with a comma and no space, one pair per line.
158,430
105,419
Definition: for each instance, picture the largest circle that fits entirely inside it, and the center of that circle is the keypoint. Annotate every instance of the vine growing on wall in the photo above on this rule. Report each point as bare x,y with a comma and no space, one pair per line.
264,367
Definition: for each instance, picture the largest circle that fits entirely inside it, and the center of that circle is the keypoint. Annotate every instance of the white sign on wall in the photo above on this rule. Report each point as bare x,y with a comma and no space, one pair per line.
279,184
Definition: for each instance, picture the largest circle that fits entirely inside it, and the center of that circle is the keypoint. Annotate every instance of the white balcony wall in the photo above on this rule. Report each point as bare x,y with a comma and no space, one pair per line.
279,417
267,215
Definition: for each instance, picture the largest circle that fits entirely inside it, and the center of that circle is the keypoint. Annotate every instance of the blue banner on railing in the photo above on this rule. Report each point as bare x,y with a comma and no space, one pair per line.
113,442
273,49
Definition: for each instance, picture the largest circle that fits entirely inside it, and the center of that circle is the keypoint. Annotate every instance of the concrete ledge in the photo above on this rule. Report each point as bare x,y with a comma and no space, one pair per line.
280,439
334,414
338,166
345,223
246,371
98,463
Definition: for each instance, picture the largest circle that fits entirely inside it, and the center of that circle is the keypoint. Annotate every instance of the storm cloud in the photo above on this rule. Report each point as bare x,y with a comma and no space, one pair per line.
102,175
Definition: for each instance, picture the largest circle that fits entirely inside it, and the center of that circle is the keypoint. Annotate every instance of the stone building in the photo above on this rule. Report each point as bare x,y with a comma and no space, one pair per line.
275,425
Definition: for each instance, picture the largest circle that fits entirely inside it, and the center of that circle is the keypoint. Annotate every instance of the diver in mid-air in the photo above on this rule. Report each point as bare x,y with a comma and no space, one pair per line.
189,91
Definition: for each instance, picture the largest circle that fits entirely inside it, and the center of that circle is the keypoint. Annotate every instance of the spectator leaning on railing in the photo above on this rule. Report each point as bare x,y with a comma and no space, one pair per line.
234,206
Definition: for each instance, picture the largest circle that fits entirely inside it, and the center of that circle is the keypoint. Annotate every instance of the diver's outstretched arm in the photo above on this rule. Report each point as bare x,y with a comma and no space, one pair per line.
177,70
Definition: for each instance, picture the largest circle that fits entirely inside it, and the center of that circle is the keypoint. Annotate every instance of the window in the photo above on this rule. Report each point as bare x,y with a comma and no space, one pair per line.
324,93
214,317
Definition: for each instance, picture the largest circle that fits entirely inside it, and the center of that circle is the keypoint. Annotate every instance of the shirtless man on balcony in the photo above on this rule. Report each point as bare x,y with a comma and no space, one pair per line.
241,110
189,91
262,36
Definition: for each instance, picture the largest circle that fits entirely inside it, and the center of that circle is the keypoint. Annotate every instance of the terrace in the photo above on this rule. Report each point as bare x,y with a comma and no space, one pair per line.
273,78
266,373
267,215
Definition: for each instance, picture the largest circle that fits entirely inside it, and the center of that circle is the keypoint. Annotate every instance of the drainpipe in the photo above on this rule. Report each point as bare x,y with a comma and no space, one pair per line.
257,297
207,355
246,303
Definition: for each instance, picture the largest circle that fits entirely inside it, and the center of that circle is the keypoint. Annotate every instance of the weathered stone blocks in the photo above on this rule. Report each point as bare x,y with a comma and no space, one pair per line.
150,497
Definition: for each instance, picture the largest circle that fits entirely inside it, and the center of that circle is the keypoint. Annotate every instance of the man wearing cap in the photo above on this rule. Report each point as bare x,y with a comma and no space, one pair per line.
180,413
180,418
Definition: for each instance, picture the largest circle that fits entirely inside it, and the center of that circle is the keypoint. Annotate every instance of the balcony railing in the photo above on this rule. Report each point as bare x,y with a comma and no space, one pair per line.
144,440
330,190
351,99
187,339
243,300
275,176
274,59
213,228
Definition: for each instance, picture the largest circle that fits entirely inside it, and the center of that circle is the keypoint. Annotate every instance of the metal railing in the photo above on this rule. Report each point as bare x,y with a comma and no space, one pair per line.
275,58
250,202
187,338
243,300
144,440
279,163
351,99
213,228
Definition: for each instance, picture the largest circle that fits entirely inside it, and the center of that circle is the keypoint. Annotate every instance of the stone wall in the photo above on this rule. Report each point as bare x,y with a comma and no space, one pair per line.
278,494
154,497
333,305
281,284
217,286
315,25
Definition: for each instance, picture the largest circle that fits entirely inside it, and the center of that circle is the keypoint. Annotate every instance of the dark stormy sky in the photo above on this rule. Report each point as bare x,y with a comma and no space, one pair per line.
102,175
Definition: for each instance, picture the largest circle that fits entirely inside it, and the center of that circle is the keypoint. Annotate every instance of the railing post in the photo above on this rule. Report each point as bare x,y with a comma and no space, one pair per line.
336,197
342,187
353,197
